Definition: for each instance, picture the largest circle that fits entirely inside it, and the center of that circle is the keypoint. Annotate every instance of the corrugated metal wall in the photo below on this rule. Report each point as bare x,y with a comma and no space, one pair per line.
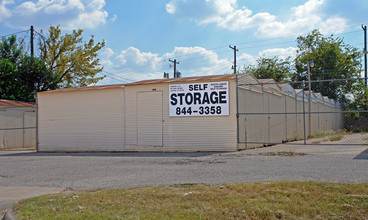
133,118
17,127
190,133
136,118
271,116
91,120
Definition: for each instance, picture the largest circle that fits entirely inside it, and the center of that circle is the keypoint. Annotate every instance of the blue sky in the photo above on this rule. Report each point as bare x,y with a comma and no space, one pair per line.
142,35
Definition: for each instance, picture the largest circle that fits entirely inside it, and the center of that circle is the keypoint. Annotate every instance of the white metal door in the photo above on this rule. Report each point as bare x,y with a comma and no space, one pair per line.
149,111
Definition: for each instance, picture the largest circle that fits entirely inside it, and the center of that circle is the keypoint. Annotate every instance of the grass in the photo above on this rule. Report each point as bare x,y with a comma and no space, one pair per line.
336,137
274,200
332,135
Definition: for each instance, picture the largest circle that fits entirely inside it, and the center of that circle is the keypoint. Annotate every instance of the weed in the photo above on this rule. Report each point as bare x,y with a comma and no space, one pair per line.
273,200
336,137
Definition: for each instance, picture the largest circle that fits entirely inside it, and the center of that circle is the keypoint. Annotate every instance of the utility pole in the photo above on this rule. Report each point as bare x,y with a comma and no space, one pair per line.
365,54
175,62
235,50
32,39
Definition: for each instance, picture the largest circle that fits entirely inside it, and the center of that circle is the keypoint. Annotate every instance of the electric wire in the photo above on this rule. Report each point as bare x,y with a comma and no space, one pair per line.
16,33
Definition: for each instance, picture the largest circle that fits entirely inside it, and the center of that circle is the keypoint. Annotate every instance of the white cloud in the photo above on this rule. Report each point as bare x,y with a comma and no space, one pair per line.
114,17
303,18
133,58
135,65
105,57
227,14
201,11
282,53
198,61
334,25
70,14
224,13
4,11
242,19
246,59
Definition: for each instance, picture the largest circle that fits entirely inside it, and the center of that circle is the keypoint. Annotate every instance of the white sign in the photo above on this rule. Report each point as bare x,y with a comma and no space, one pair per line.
199,99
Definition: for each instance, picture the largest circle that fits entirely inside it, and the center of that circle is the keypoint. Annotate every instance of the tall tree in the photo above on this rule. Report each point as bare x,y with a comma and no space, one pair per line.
74,62
333,59
270,68
11,49
21,76
33,76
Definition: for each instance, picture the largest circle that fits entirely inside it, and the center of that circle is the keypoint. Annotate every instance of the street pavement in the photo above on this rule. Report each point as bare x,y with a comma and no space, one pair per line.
26,173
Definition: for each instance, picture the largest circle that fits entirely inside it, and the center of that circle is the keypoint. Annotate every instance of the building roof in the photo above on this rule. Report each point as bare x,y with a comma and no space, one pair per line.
145,82
185,79
4,102
86,88
266,80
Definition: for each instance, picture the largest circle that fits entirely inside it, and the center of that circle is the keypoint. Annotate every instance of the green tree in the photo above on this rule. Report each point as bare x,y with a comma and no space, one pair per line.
333,59
74,62
270,68
21,76
33,76
22,80
7,78
11,49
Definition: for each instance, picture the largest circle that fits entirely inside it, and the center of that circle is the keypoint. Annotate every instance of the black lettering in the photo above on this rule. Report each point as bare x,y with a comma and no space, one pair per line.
206,99
197,98
214,98
174,101
222,97
190,87
196,87
181,95
189,98
205,86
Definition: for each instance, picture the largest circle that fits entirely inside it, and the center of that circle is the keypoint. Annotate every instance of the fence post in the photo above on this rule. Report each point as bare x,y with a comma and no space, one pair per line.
37,123
237,110
305,140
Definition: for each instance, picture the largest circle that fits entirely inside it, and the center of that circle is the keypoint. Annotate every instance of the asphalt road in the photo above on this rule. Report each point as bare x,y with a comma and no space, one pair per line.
22,170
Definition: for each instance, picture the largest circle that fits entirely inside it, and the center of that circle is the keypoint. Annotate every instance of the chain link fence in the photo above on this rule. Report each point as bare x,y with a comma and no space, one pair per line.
322,112
17,127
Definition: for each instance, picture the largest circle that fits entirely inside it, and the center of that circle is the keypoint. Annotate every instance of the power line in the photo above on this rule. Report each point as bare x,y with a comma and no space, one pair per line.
116,77
16,33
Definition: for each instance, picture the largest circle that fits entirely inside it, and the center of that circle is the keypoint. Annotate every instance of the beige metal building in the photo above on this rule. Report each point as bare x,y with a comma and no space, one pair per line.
136,117
167,115
17,125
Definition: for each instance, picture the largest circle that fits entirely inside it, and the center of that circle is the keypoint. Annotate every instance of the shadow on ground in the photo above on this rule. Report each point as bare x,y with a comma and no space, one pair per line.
22,153
362,156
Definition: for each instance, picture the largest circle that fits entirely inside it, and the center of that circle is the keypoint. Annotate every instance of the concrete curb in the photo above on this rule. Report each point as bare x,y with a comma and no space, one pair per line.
9,215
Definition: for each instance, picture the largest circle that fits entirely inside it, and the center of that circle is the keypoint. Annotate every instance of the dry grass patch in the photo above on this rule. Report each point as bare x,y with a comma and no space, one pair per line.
331,135
275,200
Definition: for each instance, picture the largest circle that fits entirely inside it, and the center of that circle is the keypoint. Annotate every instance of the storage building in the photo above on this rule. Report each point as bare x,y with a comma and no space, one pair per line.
17,124
167,115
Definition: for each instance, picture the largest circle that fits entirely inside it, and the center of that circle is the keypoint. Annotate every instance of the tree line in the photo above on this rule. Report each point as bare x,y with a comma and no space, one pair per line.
64,61
332,58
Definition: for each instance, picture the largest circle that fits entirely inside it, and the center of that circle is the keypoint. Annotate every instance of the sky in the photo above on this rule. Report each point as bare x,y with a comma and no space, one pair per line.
143,35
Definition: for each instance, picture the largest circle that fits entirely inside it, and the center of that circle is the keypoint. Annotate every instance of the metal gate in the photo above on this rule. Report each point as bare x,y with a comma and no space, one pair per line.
17,127
272,113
